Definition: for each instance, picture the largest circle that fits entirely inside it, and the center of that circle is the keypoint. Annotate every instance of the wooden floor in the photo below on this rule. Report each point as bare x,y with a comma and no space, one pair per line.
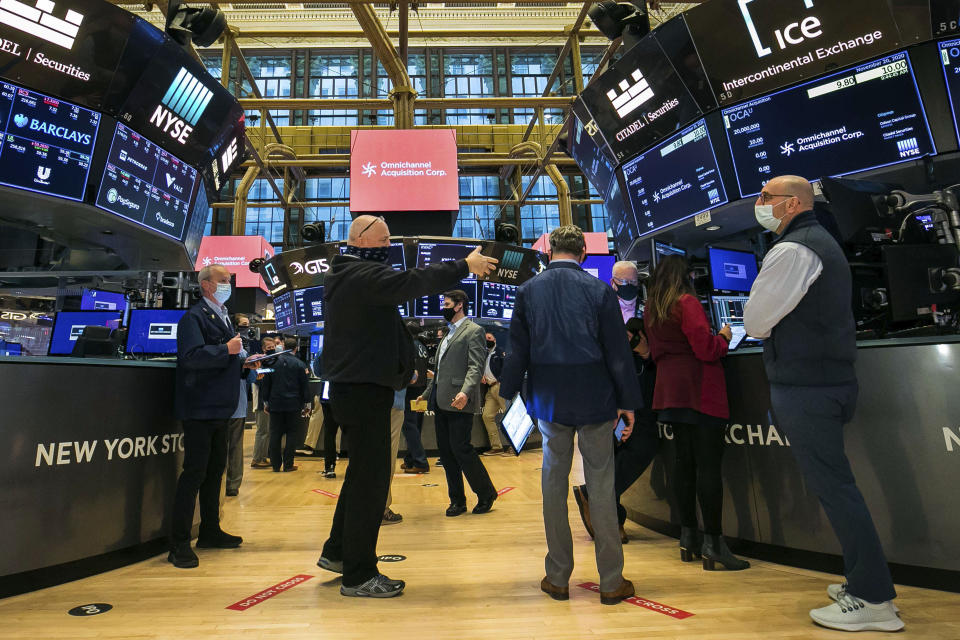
467,577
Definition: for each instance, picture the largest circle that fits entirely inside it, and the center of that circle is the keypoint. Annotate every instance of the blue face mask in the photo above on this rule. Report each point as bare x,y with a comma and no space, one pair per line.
373,254
222,294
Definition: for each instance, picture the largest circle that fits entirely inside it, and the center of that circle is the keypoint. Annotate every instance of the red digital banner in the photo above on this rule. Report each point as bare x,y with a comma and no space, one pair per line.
326,493
266,594
235,253
505,490
403,170
643,602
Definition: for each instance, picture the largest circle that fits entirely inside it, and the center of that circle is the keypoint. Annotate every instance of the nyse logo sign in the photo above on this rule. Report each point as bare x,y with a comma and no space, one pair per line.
632,96
181,106
40,22
792,34
510,264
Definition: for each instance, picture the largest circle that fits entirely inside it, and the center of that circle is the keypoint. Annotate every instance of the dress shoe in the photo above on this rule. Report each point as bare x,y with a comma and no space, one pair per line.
417,469
555,592
583,503
484,506
293,468
689,546
493,452
259,465
183,557
218,540
233,492
456,509
389,517
715,551
622,593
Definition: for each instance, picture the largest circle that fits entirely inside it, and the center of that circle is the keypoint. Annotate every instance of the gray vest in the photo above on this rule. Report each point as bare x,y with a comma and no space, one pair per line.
815,344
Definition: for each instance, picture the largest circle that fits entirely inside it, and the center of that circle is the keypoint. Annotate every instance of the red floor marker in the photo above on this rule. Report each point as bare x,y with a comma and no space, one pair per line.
266,594
646,604
326,493
505,490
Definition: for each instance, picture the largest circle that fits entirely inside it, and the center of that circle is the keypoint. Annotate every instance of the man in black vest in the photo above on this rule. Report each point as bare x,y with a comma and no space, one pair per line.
367,355
800,304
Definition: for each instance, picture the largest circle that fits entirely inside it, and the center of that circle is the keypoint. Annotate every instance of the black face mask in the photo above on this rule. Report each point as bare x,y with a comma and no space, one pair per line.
491,344
448,313
373,254
271,349
628,291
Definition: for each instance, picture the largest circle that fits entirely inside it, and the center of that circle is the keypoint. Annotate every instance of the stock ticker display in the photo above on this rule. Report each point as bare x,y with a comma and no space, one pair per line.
862,118
674,180
47,143
950,56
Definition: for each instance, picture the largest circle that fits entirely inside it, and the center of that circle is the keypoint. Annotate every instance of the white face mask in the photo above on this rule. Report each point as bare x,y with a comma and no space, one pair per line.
222,294
764,215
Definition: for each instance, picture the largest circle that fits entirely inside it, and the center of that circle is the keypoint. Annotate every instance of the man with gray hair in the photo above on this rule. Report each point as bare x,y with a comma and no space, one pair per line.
626,282
368,355
580,379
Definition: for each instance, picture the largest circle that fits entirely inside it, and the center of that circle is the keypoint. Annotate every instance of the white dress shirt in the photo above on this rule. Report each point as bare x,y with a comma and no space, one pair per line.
789,269
487,371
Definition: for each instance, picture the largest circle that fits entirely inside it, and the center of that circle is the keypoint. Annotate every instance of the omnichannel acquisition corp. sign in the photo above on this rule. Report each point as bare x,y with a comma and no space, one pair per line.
403,170
749,47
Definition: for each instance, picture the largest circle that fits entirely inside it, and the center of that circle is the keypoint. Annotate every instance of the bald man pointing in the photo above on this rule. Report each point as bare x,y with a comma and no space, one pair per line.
800,304
367,355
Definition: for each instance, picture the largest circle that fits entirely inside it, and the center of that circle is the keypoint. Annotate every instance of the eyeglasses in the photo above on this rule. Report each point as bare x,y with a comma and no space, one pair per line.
366,228
766,197
623,281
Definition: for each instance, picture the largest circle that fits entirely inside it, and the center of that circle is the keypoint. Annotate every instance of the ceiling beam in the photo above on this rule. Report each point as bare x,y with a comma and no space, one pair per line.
381,43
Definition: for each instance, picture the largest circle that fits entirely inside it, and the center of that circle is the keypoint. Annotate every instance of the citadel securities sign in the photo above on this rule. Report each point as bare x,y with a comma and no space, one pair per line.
403,170
749,47
235,253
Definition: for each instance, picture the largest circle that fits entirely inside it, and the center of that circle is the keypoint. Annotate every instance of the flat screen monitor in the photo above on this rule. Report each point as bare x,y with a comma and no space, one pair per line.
308,305
69,325
591,159
517,424
622,221
47,143
674,180
283,310
430,306
96,300
10,349
729,310
316,343
600,266
665,249
862,118
950,56
147,185
429,253
497,300
732,270
153,331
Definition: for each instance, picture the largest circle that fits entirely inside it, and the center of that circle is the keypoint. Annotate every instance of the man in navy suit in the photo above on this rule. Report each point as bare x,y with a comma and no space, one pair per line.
210,363
567,336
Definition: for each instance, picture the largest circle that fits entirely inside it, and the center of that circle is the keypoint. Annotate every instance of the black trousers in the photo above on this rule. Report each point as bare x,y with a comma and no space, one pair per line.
363,412
204,460
412,432
699,457
330,428
289,424
632,457
813,419
459,457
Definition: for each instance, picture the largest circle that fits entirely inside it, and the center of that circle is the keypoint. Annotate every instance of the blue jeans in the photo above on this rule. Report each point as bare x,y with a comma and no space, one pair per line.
416,456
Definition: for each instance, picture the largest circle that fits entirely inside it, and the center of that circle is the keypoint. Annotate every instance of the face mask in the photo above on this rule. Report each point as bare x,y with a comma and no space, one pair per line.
448,313
491,344
373,254
627,291
764,215
271,349
222,294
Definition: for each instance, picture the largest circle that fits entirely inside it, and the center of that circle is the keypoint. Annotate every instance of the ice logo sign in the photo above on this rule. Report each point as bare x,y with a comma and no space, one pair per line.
793,33
632,96
40,22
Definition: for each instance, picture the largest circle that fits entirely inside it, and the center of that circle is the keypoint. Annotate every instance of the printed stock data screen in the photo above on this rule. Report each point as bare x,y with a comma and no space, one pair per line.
675,180
866,117
429,253
950,56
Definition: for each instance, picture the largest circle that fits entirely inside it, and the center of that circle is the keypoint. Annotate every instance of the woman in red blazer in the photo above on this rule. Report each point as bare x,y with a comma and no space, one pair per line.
691,395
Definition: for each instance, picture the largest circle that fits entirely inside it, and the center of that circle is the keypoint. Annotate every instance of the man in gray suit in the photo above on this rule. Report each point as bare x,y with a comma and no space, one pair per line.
454,396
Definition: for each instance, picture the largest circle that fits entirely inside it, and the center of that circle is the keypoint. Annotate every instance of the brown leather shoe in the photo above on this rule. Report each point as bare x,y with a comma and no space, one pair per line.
623,536
583,503
555,592
622,593
260,465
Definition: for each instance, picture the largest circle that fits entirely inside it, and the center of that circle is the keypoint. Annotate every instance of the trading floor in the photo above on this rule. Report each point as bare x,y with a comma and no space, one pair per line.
467,577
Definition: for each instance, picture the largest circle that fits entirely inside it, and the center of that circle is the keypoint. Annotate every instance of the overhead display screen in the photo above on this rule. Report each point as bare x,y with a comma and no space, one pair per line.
497,300
145,184
639,100
97,300
308,305
429,253
430,306
591,159
622,221
675,180
69,48
950,55
283,310
862,118
749,47
47,144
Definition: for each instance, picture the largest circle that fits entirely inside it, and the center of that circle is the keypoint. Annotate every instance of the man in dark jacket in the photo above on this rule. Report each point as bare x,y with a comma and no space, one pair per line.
567,336
286,398
367,356
209,389
800,304
415,460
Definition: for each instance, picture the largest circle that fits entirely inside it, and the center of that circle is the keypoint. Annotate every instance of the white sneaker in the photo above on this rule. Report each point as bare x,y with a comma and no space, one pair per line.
853,614
834,590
